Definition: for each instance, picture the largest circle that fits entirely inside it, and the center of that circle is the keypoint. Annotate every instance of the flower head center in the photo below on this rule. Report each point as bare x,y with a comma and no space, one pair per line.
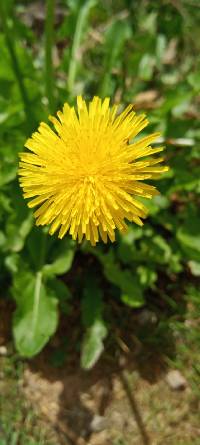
90,179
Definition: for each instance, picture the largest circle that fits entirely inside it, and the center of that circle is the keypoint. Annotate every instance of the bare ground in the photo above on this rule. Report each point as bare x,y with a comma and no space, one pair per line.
124,400
108,406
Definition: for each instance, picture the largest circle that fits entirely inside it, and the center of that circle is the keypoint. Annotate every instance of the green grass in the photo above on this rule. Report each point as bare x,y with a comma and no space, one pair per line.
20,425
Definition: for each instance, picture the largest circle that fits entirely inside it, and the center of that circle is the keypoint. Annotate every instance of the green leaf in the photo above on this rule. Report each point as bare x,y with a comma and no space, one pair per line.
160,48
194,80
2,240
131,290
37,237
119,31
156,204
16,232
92,346
96,331
195,268
36,317
147,276
62,292
62,259
162,249
176,103
146,66
188,236
7,172
19,221
155,249
92,305
126,249
16,235
12,262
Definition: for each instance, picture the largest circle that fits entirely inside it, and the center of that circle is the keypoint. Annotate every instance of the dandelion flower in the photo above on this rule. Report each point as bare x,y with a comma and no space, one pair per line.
86,176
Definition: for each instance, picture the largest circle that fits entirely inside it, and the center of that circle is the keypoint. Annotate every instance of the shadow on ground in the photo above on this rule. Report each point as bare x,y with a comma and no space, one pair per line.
79,403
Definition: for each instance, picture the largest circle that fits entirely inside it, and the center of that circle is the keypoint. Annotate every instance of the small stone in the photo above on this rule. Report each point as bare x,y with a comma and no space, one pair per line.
3,350
98,423
176,380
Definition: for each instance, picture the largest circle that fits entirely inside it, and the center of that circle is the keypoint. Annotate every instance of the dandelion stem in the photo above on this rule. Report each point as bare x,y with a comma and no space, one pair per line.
15,63
49,38
36,304
81,21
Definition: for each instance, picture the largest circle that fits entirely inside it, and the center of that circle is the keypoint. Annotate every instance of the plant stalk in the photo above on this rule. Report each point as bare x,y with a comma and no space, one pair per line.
15,63
49,40
81,21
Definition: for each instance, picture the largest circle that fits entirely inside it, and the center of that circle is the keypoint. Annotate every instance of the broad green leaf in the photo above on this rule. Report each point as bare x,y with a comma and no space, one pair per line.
62,293
38,244
162,248
96,331
92,346
19,221
195,268
128,253
16,232
188,235
126,249
155,249
131,290
12,262
92,304
62,259
35,319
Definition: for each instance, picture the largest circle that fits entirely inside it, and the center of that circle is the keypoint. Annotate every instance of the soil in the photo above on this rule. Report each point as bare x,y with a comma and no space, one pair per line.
124,400
125,407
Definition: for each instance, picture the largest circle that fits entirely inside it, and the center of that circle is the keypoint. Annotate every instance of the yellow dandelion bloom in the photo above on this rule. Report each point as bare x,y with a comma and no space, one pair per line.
85,177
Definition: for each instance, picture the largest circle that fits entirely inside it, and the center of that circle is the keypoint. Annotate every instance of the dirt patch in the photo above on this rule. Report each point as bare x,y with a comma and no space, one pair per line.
6,311
124,400
111,406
